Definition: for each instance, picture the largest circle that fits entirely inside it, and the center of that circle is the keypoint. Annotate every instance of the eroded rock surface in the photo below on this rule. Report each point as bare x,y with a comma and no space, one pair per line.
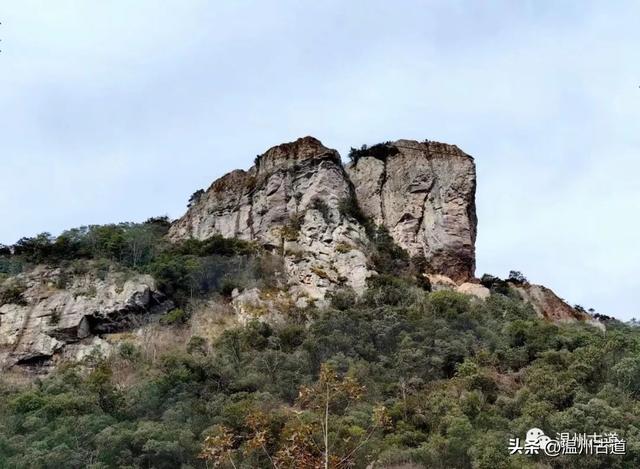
291,198
547,304
55,309
424,193
290,202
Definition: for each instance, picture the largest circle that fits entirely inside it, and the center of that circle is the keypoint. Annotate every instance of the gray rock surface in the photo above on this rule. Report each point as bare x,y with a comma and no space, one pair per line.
56,309
289,202
424,193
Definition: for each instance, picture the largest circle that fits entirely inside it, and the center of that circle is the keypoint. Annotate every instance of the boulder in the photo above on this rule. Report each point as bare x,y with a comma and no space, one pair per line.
474,289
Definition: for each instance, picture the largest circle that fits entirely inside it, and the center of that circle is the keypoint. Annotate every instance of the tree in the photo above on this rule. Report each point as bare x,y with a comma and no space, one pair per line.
37,249
328,394
218,447
195,197
516,276
140,242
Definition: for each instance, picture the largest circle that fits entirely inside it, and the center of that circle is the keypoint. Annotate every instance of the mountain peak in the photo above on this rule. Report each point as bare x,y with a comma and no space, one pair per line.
291,153
299,198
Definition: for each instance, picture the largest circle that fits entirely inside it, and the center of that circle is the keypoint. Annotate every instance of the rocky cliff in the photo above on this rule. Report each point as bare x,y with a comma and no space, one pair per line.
424,194
299,201
299,198
290,201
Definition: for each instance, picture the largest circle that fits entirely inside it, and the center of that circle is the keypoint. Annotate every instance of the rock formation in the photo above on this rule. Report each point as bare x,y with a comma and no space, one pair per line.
424,193
547,304
55,309
291,201
298,200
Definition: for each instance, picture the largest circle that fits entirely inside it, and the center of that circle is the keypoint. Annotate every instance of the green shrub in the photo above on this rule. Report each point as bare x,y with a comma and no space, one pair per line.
449,303
387,290
388,257
291,336
380,151
11,265
349,208
321,206
129,351
291,230
12,294
343,299
175,316
196,345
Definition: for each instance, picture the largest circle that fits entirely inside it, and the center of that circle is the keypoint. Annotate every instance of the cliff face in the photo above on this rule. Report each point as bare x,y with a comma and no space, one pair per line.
290,201
424,193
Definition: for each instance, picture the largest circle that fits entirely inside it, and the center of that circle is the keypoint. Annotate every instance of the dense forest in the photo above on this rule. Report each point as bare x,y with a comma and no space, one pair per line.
401,377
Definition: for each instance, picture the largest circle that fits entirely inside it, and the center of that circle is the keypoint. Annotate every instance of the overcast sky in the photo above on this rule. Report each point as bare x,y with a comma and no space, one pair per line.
118,110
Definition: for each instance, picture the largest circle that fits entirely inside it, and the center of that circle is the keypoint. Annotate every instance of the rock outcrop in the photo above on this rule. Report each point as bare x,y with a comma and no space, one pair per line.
292,199
547,304
299,201
289,201
424,193
55,309
296,199
474,289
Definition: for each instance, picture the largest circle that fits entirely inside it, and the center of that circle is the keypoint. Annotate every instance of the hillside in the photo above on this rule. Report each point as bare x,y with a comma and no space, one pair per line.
301,314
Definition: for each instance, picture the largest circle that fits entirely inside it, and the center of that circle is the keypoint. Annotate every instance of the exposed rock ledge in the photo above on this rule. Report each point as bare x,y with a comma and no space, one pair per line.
547,304
55,310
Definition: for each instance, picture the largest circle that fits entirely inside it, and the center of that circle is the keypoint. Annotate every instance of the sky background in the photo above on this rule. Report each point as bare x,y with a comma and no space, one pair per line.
117,111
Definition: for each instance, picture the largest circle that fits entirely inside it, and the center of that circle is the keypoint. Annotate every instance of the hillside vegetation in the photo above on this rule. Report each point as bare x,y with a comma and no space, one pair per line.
401,377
